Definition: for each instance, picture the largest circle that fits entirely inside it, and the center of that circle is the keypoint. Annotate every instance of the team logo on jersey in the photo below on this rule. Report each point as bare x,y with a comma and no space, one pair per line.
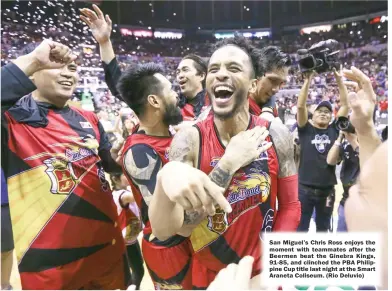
321,142
245,192
246,186
218,222
67,168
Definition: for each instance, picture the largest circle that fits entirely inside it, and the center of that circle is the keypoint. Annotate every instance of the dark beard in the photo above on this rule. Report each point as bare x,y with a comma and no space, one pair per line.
172,115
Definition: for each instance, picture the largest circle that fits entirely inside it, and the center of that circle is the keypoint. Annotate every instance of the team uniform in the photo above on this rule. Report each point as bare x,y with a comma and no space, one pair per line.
255,109
191,111
226,238
63,215
169,261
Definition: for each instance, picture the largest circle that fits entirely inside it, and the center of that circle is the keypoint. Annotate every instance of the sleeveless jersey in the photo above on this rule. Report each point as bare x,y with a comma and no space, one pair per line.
161,146
227,237
188,113
255,109
62,210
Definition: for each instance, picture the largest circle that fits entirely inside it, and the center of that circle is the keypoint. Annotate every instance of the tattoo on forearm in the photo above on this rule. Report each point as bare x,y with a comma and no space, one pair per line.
221,177
191,217
284,145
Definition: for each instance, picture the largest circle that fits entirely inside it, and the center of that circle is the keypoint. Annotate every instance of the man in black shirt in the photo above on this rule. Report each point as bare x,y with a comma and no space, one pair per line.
348,152
316,178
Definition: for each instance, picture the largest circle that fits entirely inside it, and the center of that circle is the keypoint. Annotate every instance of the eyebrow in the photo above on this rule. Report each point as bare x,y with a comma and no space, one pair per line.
229,64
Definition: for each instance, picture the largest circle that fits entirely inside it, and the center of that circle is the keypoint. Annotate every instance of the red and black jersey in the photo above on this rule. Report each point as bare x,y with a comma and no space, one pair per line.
188,110
62,210
255,109
147,149
227,237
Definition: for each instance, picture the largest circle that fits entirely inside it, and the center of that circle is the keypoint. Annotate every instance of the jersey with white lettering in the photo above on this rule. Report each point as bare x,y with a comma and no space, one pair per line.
227,237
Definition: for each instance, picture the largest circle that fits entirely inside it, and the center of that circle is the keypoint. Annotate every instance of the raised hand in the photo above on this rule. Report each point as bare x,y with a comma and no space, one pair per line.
48,55
101,27
246,147
362,101
192,188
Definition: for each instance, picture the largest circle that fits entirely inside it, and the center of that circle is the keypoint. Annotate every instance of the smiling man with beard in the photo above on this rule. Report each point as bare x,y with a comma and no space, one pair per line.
231,208
149,94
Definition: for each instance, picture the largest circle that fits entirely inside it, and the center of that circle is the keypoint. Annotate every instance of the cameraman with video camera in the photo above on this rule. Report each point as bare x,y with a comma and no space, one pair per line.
317,178
346,149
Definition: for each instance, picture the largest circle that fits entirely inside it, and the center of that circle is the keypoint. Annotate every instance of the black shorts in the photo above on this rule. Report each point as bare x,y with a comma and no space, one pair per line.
7,239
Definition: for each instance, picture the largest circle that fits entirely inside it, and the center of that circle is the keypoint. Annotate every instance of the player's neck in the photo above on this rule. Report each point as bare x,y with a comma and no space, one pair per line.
227,128
192,95
37,96
154,128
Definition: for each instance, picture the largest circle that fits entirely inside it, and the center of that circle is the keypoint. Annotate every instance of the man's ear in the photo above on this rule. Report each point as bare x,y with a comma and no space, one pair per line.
253,86
154,101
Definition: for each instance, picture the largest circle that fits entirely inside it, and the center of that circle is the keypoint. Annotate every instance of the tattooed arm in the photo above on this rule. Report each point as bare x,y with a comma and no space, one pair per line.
289,211
186,184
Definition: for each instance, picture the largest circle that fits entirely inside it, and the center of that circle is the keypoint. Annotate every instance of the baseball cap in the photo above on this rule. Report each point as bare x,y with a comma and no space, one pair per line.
324,104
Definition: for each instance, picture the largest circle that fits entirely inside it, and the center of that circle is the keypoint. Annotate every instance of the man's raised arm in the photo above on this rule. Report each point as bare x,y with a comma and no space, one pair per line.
289,212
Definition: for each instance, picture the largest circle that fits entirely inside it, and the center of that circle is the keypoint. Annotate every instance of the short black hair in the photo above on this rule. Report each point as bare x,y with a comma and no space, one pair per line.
200,66
246,45
273,58
137,82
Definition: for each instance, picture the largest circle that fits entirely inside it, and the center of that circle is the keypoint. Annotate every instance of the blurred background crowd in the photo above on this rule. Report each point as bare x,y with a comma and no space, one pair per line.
362,43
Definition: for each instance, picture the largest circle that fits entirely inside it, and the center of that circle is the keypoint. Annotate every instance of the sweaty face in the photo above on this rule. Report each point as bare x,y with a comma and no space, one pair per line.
270,84
229,79
188,79
170,111
57,85
322,116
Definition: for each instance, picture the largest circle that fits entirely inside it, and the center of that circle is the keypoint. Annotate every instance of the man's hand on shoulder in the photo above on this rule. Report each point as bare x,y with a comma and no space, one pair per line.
284,146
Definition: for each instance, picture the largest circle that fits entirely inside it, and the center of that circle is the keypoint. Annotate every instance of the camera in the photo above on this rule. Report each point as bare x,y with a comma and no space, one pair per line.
344,124
320,57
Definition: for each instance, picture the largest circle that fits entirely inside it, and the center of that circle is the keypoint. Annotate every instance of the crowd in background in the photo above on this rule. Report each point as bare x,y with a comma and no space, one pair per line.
364,47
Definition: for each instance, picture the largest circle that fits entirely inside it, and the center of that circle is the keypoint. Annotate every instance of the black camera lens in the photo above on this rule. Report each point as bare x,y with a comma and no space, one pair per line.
343,124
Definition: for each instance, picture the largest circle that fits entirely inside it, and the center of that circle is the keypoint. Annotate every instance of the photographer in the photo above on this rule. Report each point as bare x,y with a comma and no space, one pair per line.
346,149
316,136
